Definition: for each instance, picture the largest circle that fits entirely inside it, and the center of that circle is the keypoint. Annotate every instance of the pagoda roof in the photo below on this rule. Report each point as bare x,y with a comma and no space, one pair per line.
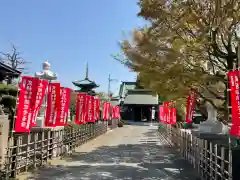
85,82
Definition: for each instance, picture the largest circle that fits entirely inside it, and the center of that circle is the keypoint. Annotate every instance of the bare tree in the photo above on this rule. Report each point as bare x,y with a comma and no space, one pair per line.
14,59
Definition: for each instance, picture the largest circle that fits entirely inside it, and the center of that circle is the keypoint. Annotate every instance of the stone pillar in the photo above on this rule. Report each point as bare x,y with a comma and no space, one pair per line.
4,131
211,125
58,137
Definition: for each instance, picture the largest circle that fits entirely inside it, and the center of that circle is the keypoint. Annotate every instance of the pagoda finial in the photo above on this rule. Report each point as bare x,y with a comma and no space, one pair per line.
86,76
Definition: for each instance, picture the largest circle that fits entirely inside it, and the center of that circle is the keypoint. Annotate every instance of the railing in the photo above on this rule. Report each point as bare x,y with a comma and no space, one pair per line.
212,161
28,151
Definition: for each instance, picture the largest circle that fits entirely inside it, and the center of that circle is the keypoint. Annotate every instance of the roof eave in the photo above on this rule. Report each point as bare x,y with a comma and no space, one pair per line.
8,68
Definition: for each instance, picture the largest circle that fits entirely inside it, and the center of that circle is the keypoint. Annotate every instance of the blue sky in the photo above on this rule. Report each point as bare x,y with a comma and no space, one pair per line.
69,33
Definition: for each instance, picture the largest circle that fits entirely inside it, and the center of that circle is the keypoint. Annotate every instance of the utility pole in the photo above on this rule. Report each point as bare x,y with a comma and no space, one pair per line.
110,80
109,85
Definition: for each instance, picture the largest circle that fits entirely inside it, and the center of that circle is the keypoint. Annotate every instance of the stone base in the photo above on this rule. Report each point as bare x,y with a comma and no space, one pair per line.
40,122
211,127
40,126
40,129
220,139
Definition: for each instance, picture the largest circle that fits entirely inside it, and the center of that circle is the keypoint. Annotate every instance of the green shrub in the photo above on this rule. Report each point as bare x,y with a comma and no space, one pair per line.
8,98
8,89
8,101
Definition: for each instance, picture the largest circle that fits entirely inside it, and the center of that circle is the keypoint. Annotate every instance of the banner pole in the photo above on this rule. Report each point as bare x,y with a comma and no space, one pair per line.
229,106
17,101
229,113
45,104
238,61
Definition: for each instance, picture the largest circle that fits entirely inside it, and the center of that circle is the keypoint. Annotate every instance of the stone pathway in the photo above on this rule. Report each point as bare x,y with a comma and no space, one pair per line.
132,152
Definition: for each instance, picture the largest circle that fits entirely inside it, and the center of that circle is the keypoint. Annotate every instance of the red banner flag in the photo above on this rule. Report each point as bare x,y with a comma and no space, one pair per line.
109,110
118,112
92,111
161,113
25,104
170,115
114,113
89,109
86,108
106,109
98,109
190,106
235,130
95,108
53,102
166,112
174,116
234,91
41,89
62,113
234,83
80,108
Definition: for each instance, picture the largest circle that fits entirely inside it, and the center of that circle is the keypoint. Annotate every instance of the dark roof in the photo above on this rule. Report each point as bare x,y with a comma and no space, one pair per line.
9,70
85,82
128,82
140,91
143,99
125,86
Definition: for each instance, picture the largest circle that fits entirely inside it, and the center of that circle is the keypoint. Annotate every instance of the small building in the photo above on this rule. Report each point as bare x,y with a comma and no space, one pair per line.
137,104
7,74
124,87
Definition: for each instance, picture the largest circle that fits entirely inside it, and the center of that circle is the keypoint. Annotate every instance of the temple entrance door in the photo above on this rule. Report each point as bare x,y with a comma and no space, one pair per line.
142,113
146,113
137,113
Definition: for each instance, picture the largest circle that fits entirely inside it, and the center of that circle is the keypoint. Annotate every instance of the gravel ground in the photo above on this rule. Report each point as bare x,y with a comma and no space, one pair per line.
131,152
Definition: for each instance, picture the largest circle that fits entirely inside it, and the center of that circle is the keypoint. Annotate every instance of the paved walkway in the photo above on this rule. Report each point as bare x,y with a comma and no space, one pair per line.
131,152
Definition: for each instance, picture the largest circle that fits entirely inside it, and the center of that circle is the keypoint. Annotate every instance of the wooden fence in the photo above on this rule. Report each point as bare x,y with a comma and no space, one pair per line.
212,160
28,151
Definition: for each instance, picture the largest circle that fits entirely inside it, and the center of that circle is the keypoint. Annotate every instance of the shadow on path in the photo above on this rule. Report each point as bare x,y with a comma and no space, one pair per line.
147,158
141,123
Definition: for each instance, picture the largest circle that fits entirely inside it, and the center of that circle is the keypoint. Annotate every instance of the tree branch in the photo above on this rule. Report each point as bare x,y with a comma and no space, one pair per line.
211,102
217,51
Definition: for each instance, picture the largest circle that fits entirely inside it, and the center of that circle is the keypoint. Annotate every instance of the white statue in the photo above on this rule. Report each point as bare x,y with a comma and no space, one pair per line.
46,73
